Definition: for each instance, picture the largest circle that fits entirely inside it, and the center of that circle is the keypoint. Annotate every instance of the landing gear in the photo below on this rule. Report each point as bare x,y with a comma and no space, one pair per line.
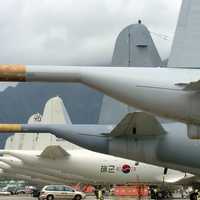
158,193
100,192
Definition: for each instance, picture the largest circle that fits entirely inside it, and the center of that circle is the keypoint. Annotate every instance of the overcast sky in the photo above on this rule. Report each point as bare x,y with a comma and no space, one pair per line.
77,32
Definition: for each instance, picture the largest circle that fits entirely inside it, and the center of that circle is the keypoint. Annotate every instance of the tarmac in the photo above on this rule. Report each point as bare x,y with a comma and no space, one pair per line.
88,198
25,197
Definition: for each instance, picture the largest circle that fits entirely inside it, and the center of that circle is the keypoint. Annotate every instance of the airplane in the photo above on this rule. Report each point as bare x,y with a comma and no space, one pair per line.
141,90
101,169
140,136
54,159
168,92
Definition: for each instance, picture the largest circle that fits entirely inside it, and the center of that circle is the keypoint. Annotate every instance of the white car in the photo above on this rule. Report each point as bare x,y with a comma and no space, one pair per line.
51,192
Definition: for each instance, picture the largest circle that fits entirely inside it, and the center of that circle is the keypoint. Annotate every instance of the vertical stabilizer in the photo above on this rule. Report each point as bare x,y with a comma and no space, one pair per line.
186,45
134,47
112,111
55,112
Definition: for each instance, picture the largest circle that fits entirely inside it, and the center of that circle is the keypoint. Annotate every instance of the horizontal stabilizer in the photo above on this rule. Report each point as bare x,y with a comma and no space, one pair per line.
138,124
54,152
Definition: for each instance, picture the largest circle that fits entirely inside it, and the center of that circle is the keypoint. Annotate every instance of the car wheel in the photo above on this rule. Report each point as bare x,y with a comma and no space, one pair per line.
77,197
50,197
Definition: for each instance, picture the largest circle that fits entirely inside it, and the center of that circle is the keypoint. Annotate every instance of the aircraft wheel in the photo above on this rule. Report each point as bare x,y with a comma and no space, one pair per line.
50,197
77,197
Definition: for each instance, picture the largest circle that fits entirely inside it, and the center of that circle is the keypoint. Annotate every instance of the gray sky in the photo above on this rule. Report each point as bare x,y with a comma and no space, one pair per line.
77,32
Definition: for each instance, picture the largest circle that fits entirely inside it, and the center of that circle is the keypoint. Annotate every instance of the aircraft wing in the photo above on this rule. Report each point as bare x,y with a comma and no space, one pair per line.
54,152
138,124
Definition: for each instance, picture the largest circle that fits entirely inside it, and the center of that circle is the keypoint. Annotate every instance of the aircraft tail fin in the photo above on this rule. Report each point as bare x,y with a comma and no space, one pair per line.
138,124
186,45
135,47
55,112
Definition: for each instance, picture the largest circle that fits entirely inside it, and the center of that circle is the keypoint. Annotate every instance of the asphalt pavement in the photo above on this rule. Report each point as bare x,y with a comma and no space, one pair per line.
88,198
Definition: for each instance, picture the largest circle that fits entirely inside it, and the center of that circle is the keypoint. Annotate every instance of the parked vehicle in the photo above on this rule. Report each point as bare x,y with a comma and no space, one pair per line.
36,193
3,193
30,189
21,190
11,189
51,192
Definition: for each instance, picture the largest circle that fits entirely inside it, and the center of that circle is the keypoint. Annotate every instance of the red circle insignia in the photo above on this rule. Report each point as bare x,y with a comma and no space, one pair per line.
126,168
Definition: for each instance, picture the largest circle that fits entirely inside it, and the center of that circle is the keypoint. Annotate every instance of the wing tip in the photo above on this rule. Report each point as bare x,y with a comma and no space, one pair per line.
10,127
13,72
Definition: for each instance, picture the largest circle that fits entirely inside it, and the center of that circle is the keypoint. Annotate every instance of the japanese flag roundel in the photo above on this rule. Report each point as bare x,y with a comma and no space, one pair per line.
126,168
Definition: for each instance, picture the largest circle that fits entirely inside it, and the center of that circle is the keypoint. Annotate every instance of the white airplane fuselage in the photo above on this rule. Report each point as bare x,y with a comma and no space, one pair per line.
18,165
13,165
101,168
6,174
